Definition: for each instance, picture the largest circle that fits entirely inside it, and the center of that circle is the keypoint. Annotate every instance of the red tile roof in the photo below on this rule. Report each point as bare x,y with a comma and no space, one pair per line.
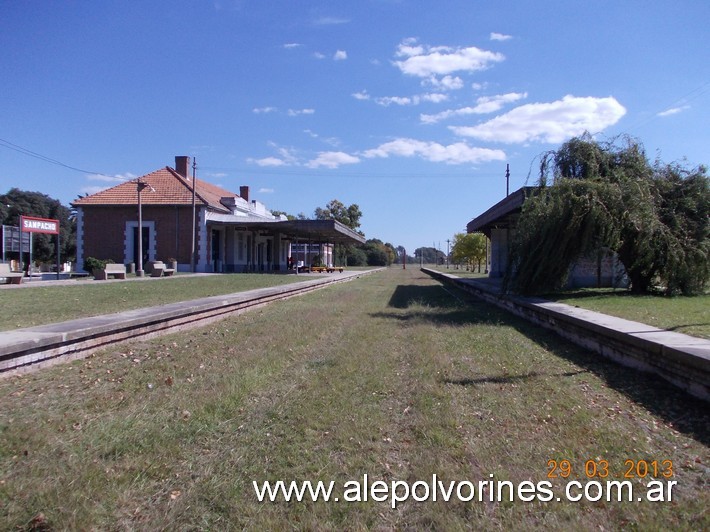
169,188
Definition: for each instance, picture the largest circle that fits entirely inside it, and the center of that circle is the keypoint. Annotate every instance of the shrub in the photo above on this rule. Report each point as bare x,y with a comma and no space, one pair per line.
91,264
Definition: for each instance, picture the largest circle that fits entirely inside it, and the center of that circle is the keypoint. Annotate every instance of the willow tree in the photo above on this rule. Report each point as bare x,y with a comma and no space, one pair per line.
594,196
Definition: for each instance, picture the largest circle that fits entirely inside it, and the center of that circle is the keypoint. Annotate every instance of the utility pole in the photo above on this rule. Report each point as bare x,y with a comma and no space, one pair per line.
192,244
507,180
447,253
140,187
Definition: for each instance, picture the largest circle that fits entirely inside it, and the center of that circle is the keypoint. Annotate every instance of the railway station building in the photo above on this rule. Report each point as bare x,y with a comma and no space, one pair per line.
232,232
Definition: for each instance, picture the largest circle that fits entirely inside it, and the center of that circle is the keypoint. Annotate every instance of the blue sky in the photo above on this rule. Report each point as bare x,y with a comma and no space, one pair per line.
411,109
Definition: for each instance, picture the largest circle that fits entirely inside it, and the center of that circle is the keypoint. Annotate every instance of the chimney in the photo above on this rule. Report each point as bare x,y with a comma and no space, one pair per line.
244,193
182,165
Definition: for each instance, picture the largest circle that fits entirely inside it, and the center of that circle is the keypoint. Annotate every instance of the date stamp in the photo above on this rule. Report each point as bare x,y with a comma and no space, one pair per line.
600,468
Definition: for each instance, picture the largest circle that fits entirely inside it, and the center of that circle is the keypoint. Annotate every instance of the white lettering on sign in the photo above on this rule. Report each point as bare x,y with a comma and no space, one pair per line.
44,226
40,225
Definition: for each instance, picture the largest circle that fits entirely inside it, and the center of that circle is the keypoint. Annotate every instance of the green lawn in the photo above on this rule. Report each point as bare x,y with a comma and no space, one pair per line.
388,376
689,315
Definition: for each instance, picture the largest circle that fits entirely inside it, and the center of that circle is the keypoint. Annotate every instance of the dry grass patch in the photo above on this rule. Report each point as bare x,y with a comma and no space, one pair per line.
390,376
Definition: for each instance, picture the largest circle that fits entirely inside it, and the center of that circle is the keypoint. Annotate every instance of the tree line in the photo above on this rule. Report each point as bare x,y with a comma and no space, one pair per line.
16,203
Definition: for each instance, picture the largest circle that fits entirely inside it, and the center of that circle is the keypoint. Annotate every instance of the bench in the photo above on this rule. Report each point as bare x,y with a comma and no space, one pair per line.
10,276
329,269
160,270
116,270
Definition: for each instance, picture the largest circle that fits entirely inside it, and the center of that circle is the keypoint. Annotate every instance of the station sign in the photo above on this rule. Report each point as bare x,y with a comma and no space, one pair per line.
30,224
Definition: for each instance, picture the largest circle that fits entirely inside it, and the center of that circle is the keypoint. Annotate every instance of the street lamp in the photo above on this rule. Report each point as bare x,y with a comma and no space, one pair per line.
140,186
447,253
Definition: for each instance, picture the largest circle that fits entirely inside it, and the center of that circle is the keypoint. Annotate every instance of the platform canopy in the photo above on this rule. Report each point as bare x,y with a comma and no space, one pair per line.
500,214
322,231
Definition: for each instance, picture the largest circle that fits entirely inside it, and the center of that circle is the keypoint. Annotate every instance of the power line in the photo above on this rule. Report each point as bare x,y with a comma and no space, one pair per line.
11,146
689,97
338,173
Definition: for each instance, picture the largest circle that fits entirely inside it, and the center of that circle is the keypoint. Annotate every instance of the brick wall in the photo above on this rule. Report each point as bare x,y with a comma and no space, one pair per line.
104,231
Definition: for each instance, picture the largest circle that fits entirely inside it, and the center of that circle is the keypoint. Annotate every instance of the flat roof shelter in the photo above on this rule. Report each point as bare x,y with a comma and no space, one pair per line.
325,231
498,224
502,214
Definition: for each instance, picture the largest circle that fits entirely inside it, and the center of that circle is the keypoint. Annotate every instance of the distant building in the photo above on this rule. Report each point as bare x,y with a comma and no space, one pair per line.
499,224
232,232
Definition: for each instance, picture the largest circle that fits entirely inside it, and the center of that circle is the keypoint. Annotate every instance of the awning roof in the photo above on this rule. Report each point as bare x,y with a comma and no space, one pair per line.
497,215
324,231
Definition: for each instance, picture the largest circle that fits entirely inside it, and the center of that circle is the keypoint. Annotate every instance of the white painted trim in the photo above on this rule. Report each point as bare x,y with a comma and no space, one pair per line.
128,240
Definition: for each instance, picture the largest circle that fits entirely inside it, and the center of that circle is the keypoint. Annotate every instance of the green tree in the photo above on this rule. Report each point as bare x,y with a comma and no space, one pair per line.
355,256
378,253
429,255
16,203
469,249
336,210
593,196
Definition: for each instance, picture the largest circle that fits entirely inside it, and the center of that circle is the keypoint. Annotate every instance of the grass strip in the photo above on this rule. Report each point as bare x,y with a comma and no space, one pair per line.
391,375
39,305
683,314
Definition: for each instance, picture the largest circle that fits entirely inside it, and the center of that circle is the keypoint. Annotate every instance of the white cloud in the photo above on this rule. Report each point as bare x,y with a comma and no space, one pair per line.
457,153
330,21
446,83
331,141
298,112
500,37
285,157
362,95
433,97
262,110
266,191
268,161
673,111
332,159
318,55
340,55
427,61
117,179
484,105
385,101
292,45
491,104
552,122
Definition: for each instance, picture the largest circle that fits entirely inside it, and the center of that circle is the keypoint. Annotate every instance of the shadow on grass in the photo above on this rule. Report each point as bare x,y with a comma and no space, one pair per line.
508,379
452,306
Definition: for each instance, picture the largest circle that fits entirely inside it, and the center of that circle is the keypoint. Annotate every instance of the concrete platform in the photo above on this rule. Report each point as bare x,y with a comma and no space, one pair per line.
35,347
679,358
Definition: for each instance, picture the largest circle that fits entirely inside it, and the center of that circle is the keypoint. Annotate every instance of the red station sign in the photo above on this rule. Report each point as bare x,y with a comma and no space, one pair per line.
30,224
